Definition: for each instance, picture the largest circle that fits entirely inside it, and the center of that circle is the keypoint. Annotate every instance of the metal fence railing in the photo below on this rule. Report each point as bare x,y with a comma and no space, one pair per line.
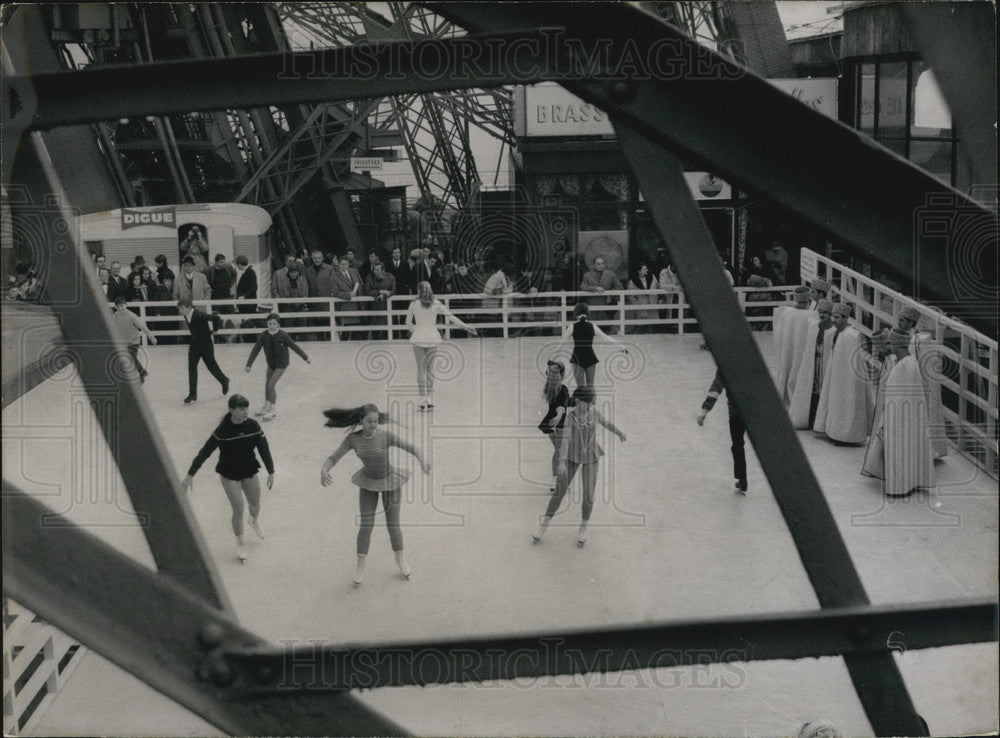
544,313
968,359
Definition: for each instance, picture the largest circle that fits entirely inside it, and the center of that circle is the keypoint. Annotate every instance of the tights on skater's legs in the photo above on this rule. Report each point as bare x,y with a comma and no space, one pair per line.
421,318
275,344
377,477
579,449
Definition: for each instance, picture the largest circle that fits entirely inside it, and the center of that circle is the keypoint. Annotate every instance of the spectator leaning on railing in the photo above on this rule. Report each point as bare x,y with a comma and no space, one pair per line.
642,280
345,286
380,286
600,280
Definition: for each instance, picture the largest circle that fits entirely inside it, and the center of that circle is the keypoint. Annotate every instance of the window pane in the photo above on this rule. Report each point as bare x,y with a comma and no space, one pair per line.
897,145
931,116
865,109
934,157
892,99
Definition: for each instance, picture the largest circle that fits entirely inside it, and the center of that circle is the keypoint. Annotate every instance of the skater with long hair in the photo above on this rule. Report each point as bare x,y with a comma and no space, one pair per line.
275,343
421,317
237,437
557,396
376,477
580,449
581,334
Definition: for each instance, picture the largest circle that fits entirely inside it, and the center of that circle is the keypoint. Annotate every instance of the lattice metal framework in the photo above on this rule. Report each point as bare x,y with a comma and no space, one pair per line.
433,127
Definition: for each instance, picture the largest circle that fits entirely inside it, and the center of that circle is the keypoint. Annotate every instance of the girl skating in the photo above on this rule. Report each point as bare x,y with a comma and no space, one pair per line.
579,449
557,396
237,437
275,343
581,334
421,317
376,477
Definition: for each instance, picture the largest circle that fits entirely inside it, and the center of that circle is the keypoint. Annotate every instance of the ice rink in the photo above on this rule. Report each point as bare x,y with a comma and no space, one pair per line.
669,539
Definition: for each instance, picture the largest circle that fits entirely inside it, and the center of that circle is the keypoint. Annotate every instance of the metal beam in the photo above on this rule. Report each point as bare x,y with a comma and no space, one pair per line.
959,41
157,630
848,631
743,129
71,289
824,554
714,112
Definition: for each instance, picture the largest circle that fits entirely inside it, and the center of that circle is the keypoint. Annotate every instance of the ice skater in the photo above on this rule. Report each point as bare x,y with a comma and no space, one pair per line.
579,449
275,343
581,334
421,318
201,348
130,326
557,396
237,437
377,476
737,429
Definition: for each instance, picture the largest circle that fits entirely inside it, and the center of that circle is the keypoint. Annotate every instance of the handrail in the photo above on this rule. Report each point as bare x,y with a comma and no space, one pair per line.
968,358
508,313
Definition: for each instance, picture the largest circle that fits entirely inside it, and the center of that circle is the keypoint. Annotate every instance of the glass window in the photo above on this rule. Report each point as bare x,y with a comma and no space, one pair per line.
892,98
866,99
931,116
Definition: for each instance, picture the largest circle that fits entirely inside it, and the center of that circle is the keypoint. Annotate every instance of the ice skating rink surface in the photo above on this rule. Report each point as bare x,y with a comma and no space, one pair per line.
669,539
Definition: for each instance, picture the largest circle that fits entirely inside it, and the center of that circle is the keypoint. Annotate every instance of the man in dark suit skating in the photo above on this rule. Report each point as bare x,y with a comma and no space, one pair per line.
201,348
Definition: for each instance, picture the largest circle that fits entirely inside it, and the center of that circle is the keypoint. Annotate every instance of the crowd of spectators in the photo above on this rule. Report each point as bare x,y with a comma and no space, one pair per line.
361,288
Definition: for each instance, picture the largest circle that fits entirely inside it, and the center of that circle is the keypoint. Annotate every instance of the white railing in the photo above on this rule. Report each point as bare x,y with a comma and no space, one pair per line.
36,659
624,311
968,373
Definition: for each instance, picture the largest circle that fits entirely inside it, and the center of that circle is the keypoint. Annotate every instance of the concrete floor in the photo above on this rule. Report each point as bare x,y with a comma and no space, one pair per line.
669,539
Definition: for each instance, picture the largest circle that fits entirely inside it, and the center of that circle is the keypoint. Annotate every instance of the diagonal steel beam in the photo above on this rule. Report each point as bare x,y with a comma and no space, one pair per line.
960,44
157,630
90,342
737,125
707,108
169,636
824,554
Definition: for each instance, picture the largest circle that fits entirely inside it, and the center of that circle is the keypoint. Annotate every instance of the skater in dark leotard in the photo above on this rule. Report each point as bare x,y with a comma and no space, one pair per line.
582,334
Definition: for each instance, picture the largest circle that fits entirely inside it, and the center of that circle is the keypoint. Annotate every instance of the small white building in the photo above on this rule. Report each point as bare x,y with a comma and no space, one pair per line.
201,230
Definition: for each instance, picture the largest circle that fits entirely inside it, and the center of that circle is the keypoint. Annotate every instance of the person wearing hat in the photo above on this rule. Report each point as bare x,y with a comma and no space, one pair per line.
791,324
192,284
809,381
906,322
845,402
818,290
901,449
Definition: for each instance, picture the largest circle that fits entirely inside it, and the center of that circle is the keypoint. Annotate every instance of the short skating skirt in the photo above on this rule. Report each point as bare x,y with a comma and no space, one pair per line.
394,480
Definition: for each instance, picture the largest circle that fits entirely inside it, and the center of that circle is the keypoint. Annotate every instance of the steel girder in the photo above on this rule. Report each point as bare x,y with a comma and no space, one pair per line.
156,629
432,125
639,126
712,111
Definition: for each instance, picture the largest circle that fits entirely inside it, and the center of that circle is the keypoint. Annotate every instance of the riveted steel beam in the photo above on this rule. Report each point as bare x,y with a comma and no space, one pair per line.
158,630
